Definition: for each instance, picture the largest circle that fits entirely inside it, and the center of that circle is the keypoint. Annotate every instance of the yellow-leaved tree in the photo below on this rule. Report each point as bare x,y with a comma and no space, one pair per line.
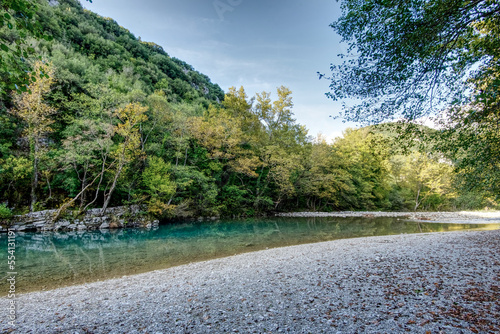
33,110
222,136
283,144
129,147
428,179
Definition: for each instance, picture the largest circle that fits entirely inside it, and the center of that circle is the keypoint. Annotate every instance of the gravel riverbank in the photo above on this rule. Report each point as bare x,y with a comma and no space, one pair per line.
459,217
422,283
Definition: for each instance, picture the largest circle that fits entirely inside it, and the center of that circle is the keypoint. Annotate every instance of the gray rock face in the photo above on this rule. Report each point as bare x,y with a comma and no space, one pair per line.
40,224
93,219
104,226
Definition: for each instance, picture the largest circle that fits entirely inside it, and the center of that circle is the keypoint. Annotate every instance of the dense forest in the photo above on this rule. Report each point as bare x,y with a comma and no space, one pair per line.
109,120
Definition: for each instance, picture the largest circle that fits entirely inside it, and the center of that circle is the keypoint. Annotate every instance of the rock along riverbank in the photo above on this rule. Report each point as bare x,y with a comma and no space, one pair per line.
459,217
114,218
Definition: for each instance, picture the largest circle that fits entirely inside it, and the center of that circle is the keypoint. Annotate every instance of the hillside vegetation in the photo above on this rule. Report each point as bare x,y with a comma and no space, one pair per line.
112,120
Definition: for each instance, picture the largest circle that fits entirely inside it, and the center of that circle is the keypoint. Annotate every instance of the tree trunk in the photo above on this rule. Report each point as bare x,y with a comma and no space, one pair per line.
98,185
111,189
84,186
416,200
34,181
68,204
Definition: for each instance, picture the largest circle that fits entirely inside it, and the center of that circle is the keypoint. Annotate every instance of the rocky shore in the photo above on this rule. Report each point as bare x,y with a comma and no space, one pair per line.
114,218
421,283
459,217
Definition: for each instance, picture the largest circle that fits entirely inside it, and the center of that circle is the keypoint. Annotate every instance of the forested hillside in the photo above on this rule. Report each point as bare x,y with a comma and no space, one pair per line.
112,120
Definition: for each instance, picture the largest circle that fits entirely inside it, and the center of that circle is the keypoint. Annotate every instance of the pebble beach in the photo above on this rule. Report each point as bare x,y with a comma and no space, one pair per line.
418,283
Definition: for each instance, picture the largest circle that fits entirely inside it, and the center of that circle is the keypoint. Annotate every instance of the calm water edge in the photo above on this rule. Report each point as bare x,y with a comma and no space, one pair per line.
51,260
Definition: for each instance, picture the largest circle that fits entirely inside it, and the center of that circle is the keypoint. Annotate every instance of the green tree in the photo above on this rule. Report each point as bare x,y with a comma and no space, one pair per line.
326,183
471,132
240,107
413,57
423,179
472,141
87,149
159,188
131,116
196,192
33,110
364,155
19,16
283,142
87,140
222,136
421,57
15,175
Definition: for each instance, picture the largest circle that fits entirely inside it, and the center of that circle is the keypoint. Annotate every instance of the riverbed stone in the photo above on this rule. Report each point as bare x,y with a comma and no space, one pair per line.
115,224
93,219
387,284
39,224
63,223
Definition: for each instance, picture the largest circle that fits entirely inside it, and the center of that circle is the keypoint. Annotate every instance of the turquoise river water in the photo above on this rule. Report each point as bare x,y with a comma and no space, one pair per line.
51,260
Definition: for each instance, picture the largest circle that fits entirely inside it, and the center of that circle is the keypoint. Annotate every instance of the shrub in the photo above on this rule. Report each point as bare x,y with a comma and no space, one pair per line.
5,212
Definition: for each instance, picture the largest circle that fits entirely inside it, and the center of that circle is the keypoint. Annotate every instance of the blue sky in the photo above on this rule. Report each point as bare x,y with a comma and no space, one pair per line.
257,44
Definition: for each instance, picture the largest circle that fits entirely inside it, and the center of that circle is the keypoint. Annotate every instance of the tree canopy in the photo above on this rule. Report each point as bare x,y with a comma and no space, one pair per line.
411,58
414,58
109,120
